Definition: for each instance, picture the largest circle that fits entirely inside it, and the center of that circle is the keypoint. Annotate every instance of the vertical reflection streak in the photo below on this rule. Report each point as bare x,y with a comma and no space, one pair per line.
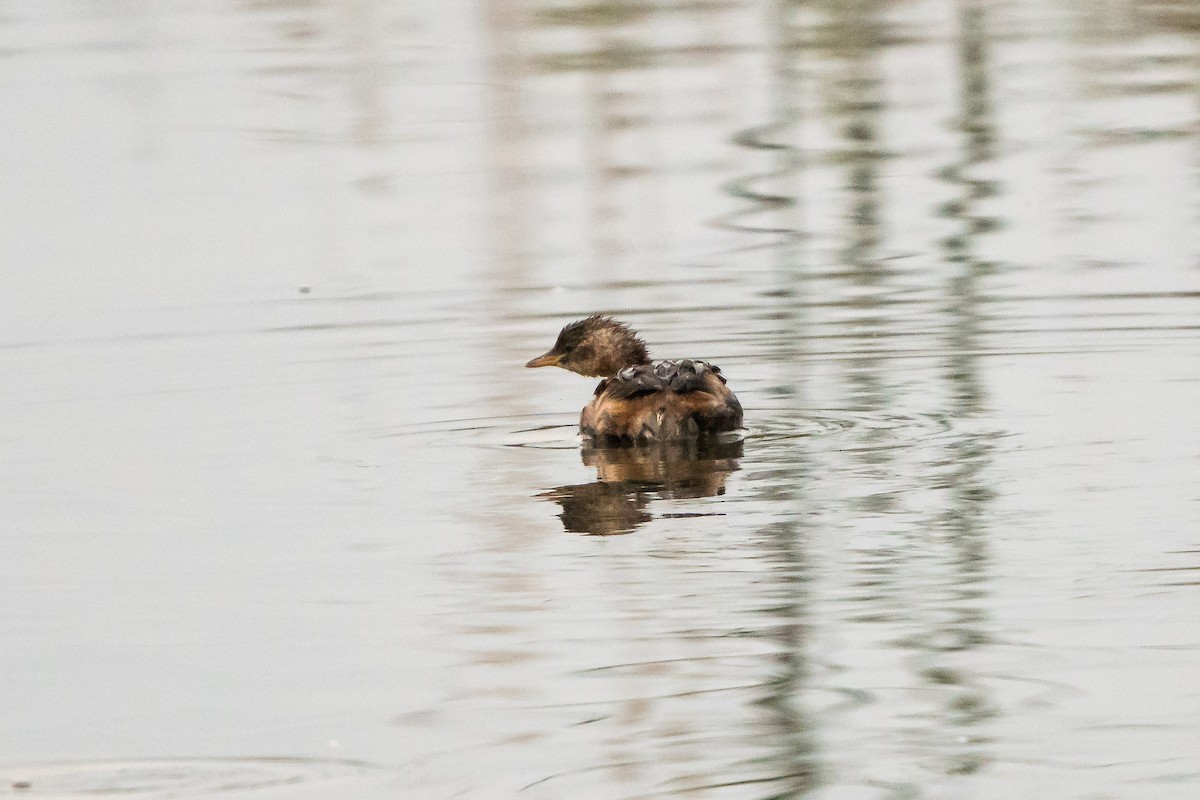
509,130
856,39
790,724
947,667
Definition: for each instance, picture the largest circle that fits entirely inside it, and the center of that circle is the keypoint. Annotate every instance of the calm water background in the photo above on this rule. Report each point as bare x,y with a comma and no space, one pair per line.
284,518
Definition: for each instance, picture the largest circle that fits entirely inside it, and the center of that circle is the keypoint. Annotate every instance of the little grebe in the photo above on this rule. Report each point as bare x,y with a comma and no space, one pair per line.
640,400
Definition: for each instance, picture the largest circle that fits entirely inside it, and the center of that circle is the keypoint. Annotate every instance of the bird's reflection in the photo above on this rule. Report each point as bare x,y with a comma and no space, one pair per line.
628,478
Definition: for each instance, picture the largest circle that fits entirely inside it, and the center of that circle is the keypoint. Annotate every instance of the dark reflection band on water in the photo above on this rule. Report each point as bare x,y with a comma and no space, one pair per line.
774,195
964,523
791,757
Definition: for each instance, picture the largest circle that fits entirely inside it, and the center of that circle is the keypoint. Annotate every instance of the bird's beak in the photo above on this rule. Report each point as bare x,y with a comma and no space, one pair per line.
547,360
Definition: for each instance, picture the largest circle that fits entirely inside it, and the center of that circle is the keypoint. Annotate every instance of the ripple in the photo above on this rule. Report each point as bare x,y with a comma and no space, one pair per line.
559,431
537,431
557,436
174,777
777,424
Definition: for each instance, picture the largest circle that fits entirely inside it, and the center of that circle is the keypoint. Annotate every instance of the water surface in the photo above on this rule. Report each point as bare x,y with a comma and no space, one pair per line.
285,517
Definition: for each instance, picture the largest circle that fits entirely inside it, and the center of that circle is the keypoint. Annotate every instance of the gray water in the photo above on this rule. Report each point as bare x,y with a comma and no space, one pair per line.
284,517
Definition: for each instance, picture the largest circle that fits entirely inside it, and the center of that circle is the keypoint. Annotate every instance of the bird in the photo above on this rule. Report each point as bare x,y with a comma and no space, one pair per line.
640,400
